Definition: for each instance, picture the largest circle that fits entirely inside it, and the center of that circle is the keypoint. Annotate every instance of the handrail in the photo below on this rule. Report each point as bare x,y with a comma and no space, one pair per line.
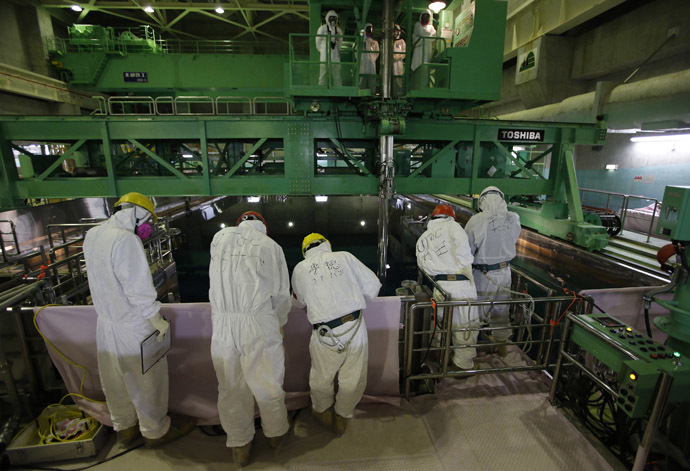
625,206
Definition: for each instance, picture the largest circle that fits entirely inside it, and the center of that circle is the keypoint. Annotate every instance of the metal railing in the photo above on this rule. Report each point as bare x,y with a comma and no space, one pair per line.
622,210
328,74
201,105
413,329
9,249
429,74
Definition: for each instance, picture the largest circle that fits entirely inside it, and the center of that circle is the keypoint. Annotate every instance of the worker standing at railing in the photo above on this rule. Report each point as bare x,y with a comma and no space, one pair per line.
399,49
421,54
125,300
367,61
492,234
444,253
328,41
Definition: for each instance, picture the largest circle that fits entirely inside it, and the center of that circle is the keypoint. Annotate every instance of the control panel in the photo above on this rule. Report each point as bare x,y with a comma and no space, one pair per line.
637,360
674,218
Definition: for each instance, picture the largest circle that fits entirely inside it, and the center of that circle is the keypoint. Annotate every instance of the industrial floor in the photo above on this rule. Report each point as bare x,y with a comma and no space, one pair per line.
483,423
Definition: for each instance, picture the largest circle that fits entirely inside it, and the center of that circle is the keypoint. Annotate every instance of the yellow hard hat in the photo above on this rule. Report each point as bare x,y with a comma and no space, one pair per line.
313,237
140,200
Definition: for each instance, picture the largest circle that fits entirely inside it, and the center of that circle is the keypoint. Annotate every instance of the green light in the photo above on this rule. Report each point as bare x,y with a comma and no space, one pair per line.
676,354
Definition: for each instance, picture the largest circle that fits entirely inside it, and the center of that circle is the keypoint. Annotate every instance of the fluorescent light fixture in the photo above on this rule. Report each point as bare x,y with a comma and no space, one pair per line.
187,156
388,267
291,224
362,223
611,167
222,225
220,10
661,138
321,198
76,8
519,148
148,9
437,6
253,199
321,154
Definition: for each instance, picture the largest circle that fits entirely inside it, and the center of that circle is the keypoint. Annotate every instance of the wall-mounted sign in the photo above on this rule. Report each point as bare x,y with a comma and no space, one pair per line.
136,76
521,135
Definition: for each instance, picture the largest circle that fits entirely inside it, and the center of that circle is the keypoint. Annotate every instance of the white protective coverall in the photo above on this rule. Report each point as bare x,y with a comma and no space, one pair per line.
367,64
250,301
418,33
399,49
125,299
443,250
332,44
492,234
333,284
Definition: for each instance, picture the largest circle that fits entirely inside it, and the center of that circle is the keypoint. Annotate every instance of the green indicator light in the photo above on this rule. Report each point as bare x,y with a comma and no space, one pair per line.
676,354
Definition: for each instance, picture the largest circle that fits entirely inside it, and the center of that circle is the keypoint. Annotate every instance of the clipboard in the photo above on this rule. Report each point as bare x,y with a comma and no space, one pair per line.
152,350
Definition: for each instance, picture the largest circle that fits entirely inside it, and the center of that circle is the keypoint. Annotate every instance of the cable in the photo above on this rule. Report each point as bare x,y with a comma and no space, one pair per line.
64,357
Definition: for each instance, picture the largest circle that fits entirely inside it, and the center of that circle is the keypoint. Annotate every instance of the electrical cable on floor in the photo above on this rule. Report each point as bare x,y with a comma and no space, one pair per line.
64,357
41,468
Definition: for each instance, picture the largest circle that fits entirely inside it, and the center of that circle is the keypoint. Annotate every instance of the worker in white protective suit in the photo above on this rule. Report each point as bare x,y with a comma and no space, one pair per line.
367,61
250,302
492,234
443,252
399,50
329,40
334,286
421,52
123,294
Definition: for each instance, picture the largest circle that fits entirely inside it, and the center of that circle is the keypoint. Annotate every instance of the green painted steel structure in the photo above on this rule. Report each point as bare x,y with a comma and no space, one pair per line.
328,140
296,155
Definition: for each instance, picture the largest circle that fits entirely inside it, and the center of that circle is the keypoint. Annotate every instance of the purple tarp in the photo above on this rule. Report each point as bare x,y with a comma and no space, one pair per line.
193,384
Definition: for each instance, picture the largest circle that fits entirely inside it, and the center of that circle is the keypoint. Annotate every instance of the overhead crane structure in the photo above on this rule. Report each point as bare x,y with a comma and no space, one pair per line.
189,128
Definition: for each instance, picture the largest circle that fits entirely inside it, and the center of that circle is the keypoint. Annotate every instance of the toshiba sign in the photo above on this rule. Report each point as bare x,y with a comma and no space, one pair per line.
521,135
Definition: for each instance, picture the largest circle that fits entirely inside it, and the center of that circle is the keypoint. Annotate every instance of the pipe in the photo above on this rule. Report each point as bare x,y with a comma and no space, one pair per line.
19,297
653,91
387,50
648,438
385,195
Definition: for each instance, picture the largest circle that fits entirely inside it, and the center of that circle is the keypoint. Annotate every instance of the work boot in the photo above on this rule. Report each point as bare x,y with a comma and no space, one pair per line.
339,424
274,442
502,349
240,454
128,436
177,430
325,418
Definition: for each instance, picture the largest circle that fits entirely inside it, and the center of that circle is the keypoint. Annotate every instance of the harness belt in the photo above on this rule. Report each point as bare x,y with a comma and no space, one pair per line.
451,277
353,316
486,268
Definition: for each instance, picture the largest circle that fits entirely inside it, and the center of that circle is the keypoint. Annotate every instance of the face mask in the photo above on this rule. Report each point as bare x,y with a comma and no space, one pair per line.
332,21
368,31
397,35
143,230
425,20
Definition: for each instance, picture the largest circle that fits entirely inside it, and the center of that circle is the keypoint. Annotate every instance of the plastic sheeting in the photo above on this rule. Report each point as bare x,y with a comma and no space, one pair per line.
193,383
625,304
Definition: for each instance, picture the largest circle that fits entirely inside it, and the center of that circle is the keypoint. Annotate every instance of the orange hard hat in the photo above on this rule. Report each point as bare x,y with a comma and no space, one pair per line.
251,215
443,210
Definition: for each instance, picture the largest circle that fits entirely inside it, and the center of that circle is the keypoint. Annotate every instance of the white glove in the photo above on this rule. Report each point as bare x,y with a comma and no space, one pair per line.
160,324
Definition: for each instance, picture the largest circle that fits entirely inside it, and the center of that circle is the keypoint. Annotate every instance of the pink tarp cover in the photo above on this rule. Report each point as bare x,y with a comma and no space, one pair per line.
193,383
625,304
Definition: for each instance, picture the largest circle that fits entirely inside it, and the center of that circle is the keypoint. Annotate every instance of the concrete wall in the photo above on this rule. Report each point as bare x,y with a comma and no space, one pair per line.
22,27
644,168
